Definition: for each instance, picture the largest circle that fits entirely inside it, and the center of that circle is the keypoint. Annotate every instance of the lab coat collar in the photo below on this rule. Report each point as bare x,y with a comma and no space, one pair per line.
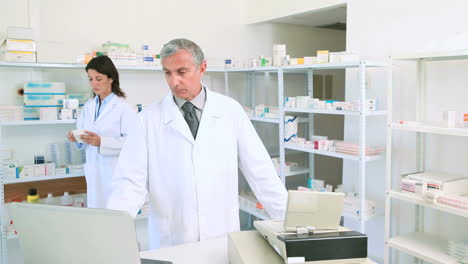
113,101
173,117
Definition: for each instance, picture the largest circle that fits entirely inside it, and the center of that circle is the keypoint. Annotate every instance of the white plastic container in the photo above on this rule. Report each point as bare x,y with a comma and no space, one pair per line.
50,200
66,199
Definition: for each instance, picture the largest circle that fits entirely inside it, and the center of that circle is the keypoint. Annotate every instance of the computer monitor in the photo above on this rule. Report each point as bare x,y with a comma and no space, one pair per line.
63,234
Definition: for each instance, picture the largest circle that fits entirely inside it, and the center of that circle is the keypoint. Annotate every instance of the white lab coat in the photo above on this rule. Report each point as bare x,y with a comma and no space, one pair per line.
114,123
193,184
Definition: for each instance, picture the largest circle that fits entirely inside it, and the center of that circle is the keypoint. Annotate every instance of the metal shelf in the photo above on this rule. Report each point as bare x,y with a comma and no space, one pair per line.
434,55
12,236
334,112
357,219
267,120
417,199
49,65
331,153
43,178
304,67
255,213
36,122
297,171
461,132
427,247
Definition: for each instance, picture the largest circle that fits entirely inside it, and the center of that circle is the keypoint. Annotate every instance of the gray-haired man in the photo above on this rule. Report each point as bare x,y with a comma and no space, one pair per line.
186,152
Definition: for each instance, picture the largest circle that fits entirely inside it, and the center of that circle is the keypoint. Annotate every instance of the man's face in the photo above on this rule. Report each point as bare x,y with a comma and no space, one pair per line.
182,76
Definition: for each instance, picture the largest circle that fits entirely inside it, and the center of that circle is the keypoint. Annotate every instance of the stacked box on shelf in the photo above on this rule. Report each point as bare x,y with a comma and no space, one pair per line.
352,206
42,100
19,45
353,148
11,113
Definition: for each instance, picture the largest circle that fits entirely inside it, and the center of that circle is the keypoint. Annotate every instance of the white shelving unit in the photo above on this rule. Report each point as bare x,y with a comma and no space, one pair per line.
267,120
427,247
331,153
363,114
44,178
333,112
421,245
4,180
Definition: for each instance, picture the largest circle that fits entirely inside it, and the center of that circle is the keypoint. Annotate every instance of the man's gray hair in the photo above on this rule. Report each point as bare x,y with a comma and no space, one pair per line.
175,45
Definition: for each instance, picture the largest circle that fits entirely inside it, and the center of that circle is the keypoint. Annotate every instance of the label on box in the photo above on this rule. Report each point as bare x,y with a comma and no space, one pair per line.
50,169
39,170
25,171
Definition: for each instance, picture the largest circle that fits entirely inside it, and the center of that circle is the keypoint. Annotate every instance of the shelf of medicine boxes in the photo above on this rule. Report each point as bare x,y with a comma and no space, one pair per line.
418,199
334,112
266,120
426,128
330,153
36,122
303,67
428,247
82,66
252,211
43,178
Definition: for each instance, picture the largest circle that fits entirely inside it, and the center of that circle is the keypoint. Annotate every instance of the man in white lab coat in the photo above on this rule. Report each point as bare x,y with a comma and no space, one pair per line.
186,152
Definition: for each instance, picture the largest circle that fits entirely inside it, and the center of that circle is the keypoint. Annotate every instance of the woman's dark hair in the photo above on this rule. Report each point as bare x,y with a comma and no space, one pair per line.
104,65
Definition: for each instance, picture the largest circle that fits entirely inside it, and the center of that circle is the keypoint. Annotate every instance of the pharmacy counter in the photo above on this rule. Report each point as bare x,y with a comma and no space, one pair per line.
215,252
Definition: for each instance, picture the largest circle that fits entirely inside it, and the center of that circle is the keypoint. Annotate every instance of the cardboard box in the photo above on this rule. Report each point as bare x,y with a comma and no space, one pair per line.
20,33
39,170
18,56
20,45
25,171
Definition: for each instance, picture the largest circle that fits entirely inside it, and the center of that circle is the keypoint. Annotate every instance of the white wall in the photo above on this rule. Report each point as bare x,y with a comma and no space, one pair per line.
384,28
266,10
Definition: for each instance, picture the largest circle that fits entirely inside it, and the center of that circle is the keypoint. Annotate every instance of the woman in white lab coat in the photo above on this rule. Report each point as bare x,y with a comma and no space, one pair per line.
107,120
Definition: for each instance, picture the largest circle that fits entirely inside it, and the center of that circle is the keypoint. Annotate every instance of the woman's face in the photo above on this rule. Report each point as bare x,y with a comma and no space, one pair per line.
102,85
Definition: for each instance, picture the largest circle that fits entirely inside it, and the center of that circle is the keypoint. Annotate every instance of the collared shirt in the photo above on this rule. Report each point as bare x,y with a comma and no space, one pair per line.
198,102
100,105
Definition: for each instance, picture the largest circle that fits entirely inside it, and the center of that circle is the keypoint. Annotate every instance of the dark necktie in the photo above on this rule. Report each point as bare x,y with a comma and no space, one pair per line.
191,117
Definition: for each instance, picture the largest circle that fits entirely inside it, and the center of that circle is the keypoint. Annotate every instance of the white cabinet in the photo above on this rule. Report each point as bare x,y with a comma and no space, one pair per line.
425,237
362,114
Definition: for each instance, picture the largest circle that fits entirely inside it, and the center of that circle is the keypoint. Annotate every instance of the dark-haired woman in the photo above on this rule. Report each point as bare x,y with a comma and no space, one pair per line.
107,119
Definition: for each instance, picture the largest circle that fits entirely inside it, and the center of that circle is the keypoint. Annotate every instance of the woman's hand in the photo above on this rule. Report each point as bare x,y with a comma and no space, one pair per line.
70,137
91,138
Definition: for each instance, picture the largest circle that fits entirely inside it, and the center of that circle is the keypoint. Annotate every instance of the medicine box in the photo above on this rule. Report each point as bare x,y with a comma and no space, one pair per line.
17,56
50,169
66,114
44,87
20,33
40,99
322,56
429,181
11,113
33,113
61,171
48,113
9,170
39,170
20,45
25,171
